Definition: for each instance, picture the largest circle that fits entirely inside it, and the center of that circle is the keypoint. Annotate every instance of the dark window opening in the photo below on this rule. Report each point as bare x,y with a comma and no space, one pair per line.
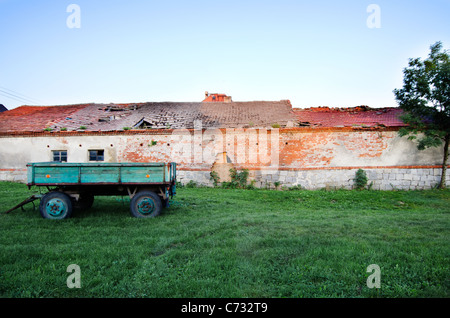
96,155
143,124
59,155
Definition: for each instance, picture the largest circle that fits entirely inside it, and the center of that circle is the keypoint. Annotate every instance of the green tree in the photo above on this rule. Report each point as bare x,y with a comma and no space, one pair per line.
425,101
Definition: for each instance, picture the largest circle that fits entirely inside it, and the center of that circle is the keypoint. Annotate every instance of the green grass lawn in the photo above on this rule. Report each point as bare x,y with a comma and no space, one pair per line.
233,243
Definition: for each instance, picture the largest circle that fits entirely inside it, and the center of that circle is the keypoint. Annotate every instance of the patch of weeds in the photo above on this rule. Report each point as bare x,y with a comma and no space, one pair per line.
215,178
251,186
238,179
360,179
295,187
191,184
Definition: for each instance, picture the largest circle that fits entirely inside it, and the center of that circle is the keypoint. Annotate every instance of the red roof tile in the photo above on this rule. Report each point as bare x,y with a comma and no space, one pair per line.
348,117
35,118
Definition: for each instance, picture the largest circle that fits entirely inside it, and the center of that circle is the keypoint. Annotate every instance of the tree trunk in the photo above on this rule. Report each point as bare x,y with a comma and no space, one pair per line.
444,164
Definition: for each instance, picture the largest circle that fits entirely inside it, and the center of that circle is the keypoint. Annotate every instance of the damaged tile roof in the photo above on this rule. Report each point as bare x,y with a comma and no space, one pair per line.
175,115
34,118
362,116
161,115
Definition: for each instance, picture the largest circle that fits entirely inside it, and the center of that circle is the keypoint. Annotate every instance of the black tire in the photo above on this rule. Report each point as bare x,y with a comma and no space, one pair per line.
84,202
145,204
55,205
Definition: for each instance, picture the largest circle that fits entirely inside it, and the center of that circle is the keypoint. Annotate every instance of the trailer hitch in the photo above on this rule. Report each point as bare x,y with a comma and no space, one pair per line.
26,201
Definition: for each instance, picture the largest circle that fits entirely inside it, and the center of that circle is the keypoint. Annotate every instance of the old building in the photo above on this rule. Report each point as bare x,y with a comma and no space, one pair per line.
313,148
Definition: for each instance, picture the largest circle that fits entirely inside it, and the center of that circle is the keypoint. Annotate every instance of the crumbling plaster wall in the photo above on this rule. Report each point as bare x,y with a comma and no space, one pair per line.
351,149
308,158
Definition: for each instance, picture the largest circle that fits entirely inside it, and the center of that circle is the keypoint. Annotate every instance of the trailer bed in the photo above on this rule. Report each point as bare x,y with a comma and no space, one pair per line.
73,186
59,174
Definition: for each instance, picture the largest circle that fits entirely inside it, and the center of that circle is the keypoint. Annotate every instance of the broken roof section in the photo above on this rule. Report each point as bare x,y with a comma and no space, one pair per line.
163,115
183,115
360,116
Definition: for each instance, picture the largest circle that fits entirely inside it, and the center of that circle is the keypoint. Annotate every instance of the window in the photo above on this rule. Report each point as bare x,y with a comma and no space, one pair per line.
96,155
59,155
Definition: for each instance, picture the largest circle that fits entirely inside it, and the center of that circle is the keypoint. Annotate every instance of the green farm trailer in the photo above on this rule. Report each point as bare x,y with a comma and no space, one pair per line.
74,185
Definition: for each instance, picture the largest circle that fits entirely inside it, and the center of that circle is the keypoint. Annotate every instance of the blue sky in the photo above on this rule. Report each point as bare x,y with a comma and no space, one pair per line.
314,53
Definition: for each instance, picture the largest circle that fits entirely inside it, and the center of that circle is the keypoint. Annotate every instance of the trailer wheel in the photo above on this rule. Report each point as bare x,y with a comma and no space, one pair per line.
55,205
145,204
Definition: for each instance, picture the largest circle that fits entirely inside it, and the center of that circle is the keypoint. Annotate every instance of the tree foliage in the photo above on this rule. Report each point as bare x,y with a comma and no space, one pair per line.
425,100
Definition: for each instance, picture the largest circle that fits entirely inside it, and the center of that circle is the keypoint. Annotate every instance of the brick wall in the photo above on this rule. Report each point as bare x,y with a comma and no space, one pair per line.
14,175
393,178
310,158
